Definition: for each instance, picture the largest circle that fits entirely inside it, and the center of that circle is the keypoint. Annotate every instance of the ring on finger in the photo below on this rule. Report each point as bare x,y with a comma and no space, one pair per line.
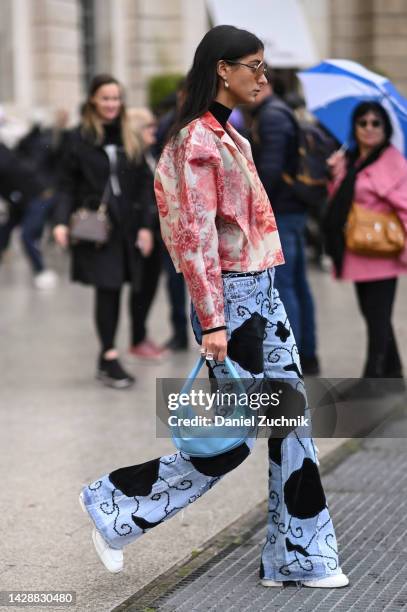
209,356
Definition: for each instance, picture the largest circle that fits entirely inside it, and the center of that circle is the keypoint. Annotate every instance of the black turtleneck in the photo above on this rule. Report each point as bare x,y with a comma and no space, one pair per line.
113,135
220,112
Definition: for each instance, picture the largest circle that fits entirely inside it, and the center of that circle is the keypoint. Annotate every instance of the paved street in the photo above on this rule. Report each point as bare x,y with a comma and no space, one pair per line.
371,525
59,429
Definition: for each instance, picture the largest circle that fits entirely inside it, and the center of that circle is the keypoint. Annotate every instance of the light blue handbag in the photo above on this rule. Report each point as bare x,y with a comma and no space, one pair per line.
210,440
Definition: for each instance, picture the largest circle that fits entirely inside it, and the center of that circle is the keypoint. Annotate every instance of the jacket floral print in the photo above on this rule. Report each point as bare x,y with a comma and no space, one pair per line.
214,212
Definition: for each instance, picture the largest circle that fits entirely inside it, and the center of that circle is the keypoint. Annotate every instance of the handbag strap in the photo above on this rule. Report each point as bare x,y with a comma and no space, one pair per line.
102,208
112,183
197,368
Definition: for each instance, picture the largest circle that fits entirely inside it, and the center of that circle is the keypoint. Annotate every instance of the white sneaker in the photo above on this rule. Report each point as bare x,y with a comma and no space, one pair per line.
329,582
270,583
48,279
112,558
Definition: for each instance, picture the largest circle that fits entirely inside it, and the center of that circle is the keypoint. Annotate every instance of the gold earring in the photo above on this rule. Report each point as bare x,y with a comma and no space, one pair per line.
226,84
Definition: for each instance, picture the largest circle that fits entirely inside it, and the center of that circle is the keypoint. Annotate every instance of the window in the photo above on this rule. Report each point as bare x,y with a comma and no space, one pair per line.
88,40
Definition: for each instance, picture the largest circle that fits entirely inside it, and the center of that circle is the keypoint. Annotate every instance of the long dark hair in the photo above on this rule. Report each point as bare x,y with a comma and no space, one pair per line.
222,42
371,106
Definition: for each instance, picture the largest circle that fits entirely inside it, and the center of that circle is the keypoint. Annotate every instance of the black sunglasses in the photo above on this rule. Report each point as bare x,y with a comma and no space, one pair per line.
376,123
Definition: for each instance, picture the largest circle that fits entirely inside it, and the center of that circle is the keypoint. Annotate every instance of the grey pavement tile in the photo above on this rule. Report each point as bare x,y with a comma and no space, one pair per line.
371,526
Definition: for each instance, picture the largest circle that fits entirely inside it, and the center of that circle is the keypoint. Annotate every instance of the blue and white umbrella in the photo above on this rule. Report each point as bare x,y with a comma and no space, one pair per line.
333,88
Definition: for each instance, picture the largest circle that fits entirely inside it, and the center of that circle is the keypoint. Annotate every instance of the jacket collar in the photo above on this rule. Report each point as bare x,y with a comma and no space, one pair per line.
213,124
231,137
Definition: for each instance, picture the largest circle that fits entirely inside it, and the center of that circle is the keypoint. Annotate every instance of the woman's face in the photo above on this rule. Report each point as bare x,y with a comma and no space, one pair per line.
245,81
148,132
107,102
369,130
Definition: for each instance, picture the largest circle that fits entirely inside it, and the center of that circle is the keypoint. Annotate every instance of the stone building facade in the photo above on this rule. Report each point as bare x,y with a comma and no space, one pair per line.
49,48
374,33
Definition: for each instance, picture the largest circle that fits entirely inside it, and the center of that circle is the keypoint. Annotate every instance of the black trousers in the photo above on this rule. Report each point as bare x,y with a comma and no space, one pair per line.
376,299
141,301
107,304
177,294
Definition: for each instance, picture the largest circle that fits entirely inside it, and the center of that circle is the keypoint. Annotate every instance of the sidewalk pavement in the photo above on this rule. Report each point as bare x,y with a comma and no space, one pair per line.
60,429
370,516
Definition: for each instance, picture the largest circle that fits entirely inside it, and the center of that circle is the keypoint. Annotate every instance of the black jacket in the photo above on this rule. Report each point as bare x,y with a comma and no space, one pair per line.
42,150
84,175
18,183
275,151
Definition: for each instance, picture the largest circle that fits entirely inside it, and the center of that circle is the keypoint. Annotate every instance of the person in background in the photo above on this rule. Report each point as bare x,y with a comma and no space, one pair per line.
374,174
144,124
105,158
275,152
42,147
175,282
29,201
321,144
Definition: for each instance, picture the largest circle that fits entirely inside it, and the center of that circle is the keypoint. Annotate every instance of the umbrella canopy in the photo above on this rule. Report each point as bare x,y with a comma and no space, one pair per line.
333,88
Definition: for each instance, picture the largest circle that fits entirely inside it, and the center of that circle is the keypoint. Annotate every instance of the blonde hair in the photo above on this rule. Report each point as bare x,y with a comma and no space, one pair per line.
138,118
92,125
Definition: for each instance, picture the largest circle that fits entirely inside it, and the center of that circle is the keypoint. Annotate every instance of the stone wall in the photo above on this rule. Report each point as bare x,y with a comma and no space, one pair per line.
374,33
56,53
153,43
41,43
389,40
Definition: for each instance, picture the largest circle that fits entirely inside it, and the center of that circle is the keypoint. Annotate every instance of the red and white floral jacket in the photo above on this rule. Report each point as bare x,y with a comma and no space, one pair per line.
214,212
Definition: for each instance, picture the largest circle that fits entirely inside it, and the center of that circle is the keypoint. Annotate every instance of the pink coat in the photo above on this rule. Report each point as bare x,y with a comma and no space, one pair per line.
214,212
382,186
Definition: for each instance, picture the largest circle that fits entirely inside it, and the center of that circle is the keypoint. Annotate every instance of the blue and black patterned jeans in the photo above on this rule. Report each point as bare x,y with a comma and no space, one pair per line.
300,542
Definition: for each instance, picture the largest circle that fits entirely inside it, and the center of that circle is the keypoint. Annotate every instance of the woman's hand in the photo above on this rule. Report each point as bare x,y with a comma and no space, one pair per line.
61,235
336,162
215,344
145,241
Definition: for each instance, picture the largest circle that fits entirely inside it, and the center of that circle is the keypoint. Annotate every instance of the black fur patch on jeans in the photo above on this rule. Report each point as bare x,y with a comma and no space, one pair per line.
222,464
246,344
136,479
291,405
274,445
303,492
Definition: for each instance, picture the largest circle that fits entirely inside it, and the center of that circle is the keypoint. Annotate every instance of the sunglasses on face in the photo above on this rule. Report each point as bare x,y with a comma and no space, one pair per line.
258,69
375,123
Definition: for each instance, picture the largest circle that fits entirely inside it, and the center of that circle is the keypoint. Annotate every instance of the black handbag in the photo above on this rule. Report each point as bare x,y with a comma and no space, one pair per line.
91,226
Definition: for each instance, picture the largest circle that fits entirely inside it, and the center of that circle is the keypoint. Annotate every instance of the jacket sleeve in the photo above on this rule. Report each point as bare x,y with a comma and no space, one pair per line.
189,229
276,132
337,177
397,198
67,186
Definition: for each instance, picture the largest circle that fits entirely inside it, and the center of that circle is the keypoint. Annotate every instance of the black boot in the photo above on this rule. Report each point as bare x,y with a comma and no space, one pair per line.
111,373
310,365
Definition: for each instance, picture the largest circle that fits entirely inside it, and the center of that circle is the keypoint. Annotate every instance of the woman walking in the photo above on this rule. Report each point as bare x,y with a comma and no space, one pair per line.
218,225
105,161
143,348
374,175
